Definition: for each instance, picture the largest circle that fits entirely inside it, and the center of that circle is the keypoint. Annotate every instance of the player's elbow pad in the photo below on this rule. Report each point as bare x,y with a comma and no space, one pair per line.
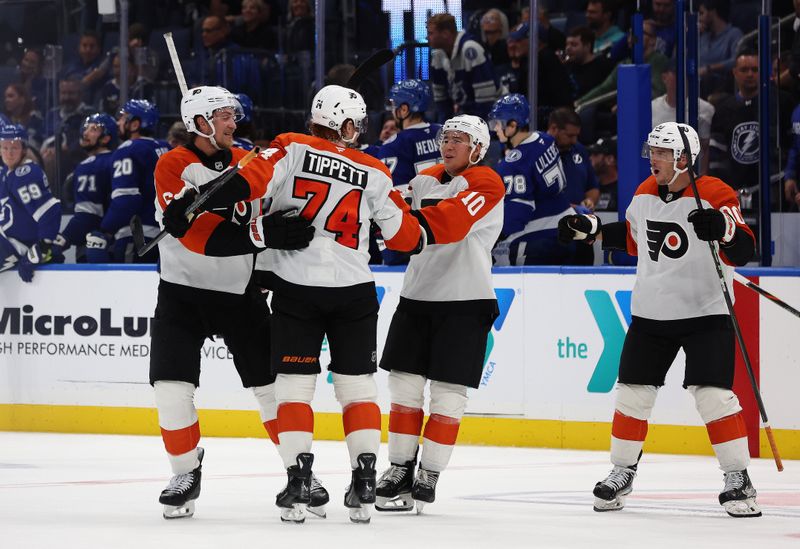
741,248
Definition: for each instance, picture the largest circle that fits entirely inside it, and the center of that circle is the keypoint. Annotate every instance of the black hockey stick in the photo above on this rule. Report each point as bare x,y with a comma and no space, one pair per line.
198,202
729,303
370,65
764,293
137,231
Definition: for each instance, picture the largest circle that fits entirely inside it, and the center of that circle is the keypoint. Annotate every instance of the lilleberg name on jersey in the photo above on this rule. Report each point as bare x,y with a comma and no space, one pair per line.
321,164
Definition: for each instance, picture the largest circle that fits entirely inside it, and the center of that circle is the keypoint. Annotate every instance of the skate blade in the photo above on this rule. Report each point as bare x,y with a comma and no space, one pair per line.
602,505
743,508
360,515
179,511
401,502
318,511
420,506
295,514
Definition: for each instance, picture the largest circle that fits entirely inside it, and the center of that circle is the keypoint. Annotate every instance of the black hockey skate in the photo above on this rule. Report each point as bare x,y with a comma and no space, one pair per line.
297,493
393,492
739,497
319,498
361,492
424,489
610,493
179,495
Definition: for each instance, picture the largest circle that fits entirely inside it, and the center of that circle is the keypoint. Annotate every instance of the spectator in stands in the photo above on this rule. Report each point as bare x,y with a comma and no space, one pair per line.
86,66
664,19
69,116
716,49
251,29
582,189
554,90
658,63
794,62
215,37
461,72
19,109
109,95
599,17
551,36
300,33
790,188
30,76
663,110
734,150
494,31
586,69
388,129
603,154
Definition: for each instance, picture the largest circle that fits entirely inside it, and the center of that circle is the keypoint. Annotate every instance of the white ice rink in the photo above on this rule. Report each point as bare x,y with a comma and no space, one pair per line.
95,491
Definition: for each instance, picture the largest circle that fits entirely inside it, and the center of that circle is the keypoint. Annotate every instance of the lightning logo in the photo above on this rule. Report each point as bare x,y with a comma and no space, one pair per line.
744,143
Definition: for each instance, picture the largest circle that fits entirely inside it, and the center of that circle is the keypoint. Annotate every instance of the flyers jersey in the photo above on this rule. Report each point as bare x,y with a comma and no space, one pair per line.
463,217
182,260
339,190
675,275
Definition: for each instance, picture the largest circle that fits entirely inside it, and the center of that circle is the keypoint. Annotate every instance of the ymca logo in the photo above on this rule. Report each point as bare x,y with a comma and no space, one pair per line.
667,238
505,297
612,331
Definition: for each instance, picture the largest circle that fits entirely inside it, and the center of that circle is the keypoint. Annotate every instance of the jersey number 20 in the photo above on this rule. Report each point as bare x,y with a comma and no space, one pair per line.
343,221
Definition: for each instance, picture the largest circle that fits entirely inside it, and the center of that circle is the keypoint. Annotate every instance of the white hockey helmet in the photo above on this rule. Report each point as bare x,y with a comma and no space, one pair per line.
474,126
333,105
204,101
668,136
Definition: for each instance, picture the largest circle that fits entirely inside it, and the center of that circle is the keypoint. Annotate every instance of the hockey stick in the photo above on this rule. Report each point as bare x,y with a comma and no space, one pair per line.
198,202
176,63
729,303
764,293
370,65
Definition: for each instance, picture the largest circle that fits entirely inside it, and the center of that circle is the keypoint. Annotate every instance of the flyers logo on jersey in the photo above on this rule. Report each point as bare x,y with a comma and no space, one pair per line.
667,238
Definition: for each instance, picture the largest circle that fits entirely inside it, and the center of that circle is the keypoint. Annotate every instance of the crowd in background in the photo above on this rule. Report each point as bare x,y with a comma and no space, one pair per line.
241,46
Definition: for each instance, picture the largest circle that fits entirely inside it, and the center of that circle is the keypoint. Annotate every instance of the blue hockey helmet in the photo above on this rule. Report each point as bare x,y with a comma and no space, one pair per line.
144,110
105,121
510,107
414,93
13,132
247,107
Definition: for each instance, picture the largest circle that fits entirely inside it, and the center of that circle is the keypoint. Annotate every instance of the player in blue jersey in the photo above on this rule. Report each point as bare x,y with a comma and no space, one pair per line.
29,214
91,180
243,136
414,147
132,187
534,178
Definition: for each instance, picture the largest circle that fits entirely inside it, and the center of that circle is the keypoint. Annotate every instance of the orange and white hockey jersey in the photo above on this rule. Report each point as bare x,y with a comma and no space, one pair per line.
675,275
462,218
183,261
339,190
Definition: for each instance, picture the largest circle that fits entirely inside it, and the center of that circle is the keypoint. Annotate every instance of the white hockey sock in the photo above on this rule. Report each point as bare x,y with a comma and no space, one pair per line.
405,427
180,428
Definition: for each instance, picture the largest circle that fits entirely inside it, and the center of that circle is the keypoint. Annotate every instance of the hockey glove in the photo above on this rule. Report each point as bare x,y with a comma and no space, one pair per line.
578,227
710,224
60,244
175,221
281,231
37,255
97,244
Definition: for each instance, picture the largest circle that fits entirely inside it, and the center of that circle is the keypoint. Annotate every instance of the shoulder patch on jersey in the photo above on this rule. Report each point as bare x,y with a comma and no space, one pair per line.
25,169
513,155
577,158
89,159
125,144
471,53
744,143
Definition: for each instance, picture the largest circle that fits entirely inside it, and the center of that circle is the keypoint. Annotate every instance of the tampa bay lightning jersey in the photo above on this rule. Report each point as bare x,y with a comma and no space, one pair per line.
91,181
132,187
410,151
534,180
243,143
28,211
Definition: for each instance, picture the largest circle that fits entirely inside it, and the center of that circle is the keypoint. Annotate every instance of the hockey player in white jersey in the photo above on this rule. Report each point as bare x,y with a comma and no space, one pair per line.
447,306
328,288
205,288
676,303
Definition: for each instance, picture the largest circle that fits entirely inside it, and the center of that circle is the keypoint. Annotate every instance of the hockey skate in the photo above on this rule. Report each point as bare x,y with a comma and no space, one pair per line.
609,494
294,498
424,489
179,495
393,492
739,497
360,494
319,497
